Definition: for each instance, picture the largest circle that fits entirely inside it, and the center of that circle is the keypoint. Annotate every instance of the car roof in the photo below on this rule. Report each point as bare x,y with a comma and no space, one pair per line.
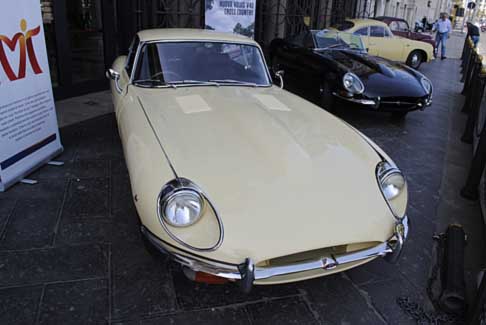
162,34
366,22
383,18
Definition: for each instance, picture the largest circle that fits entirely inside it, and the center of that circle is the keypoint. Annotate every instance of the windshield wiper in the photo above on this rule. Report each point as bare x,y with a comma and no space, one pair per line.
193,82
336,45
157,82
235,82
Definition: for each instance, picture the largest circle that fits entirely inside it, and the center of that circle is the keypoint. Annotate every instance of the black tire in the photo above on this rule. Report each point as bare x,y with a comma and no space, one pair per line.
326,97
399,115
415,59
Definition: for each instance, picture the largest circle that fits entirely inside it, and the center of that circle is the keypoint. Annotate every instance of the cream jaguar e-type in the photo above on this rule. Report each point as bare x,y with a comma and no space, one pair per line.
239,180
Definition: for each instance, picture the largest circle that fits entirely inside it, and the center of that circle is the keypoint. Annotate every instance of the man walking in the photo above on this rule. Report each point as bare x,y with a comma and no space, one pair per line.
443,28
473,31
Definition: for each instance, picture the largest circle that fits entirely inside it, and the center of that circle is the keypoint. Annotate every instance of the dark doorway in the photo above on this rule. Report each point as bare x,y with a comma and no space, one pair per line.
80,37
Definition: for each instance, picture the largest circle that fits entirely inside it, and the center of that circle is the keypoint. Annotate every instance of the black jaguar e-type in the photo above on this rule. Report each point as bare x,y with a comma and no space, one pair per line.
331,67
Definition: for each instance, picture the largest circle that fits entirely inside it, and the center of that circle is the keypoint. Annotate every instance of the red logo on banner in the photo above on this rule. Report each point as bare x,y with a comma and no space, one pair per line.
24,41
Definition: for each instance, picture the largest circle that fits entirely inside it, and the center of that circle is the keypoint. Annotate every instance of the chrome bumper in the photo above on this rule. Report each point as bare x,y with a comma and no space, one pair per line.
375,103
365,102
247,272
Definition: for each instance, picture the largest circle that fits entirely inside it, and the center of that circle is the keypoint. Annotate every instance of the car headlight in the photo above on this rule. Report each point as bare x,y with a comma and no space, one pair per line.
394,188
426,84
182,208
352,83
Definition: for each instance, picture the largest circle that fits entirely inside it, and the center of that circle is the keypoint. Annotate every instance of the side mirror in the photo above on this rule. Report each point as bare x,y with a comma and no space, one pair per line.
280,74
115,76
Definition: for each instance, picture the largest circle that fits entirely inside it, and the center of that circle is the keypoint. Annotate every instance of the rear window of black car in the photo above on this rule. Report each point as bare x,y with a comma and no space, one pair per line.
344,25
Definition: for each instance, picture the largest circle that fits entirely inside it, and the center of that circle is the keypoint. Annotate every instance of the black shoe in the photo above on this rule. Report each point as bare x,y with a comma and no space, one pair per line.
443,58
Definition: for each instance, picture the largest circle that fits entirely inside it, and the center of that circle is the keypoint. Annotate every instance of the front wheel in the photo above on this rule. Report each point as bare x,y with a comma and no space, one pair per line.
415,59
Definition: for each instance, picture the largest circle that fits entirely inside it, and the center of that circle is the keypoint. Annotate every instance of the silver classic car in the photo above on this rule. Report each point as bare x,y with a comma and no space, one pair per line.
239,180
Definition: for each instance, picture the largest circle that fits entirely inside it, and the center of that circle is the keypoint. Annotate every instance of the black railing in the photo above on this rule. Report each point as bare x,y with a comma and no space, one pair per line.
274,18
474,78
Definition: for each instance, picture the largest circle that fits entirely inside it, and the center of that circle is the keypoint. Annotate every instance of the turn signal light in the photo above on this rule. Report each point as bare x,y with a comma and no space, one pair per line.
203,277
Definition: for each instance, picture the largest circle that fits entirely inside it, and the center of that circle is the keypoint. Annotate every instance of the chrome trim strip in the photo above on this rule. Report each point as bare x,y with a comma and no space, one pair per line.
181,183
157,137
390,250
135,65
384,169
367,102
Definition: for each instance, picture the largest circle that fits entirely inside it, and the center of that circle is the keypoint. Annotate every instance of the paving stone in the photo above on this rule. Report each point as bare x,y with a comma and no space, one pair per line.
87,197
119,168
84,230
46,189
32,224
6,208
115,230
101,147
128,322
383,296
80,302
75,169
52,264
122,199
142,284
19,305
415,259
338,301
234,316
282,311
192,295
377,270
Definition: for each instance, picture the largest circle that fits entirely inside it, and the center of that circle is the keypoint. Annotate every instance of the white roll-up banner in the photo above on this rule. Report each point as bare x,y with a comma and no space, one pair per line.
29,135
230,16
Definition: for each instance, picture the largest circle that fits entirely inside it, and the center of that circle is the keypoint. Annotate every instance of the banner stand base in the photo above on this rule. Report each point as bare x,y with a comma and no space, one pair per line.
28,181
21,178
56,163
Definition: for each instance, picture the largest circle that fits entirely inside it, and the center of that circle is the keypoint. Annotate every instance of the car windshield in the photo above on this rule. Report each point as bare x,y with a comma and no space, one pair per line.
173,64
326,39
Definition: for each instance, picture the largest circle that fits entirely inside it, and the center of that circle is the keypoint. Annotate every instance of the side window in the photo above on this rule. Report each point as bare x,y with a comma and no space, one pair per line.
388,32
394,26
377,31
132,51
362,31
403,26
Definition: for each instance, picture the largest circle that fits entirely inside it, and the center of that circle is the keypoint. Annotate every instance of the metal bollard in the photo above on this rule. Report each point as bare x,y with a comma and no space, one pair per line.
475,128
475,310
453,297
466,78
473,89
467,55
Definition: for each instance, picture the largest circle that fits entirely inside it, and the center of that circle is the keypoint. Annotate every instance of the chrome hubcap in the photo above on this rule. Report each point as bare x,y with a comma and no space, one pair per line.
415,59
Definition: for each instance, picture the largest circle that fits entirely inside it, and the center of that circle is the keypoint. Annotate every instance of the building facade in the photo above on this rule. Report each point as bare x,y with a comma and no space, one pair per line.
85,36
413,10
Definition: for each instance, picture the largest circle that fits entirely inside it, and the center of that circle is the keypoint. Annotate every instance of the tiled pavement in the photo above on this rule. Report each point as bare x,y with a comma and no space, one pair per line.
70,249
